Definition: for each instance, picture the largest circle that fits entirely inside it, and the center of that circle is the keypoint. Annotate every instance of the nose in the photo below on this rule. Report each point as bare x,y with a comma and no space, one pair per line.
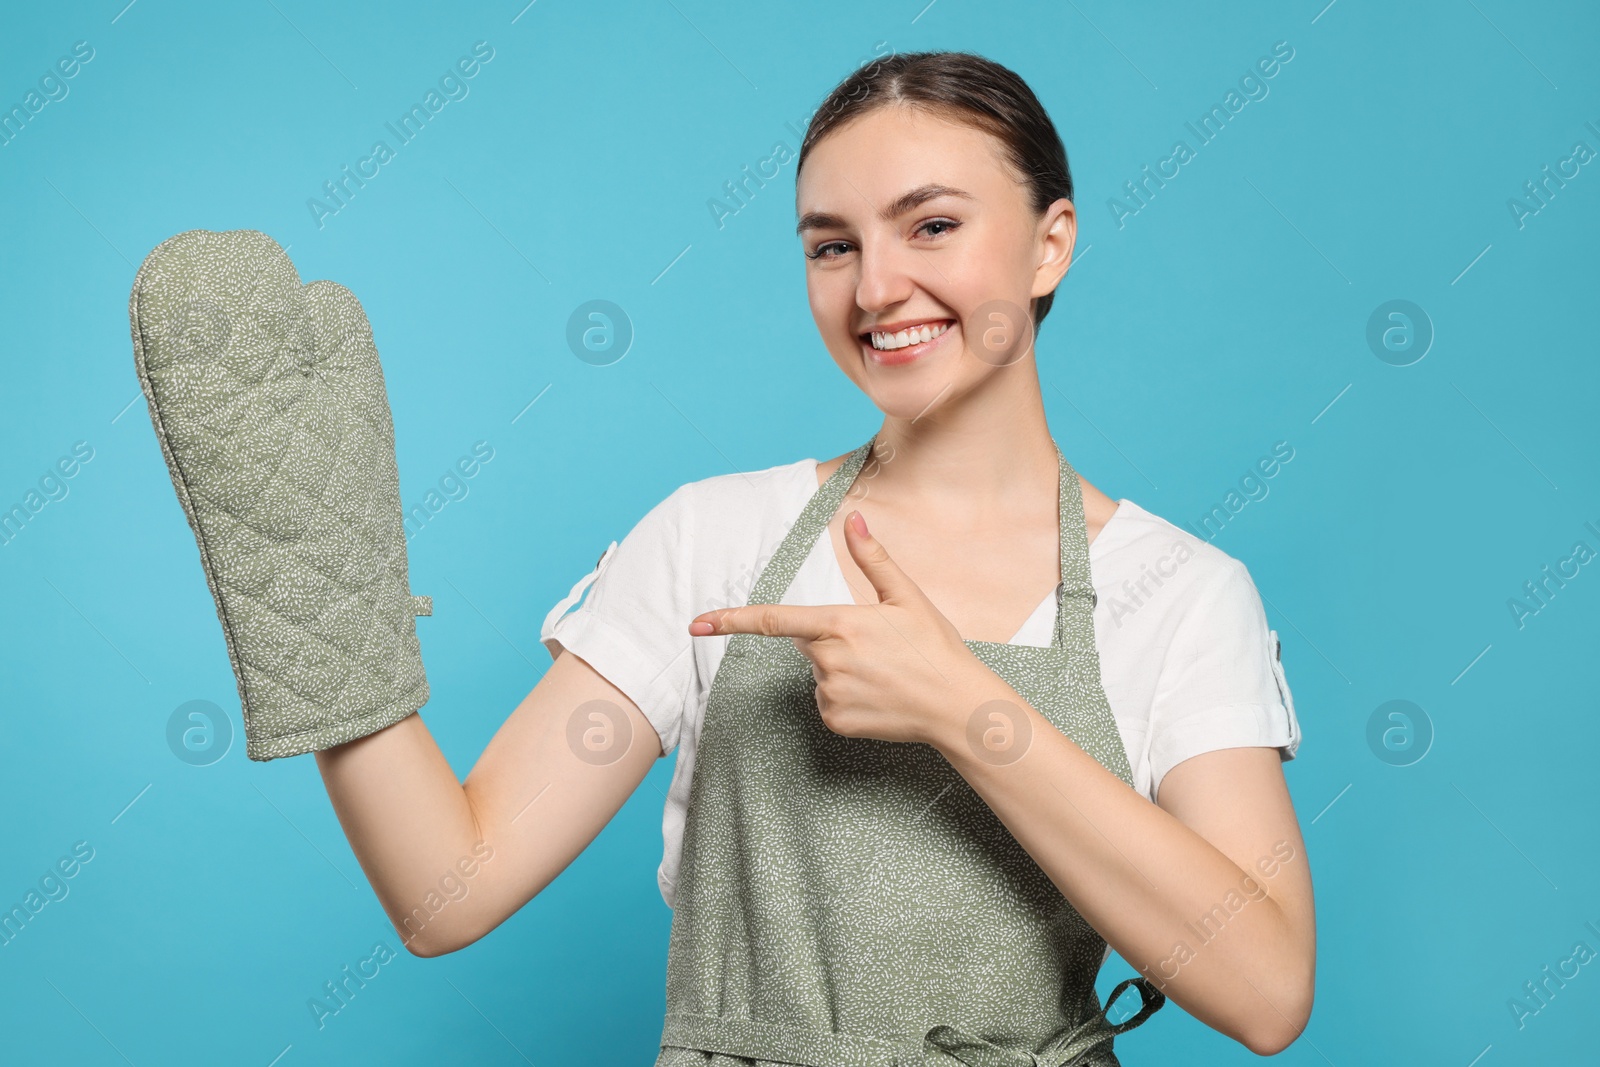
889,273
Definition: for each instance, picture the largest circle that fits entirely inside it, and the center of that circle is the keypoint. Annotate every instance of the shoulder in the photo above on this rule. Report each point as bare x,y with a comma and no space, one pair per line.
681,551
711,523
1135,534
1140,559
738,498
709,538
826,467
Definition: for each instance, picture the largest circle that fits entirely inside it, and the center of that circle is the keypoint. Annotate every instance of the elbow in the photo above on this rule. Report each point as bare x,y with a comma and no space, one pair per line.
432,941
427,950
1270,1042
1277,1027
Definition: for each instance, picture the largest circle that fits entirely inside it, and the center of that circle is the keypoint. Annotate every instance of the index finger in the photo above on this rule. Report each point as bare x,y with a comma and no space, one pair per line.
771,620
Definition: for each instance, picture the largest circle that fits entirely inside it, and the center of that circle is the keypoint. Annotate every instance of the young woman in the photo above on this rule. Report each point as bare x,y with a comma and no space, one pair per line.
951,723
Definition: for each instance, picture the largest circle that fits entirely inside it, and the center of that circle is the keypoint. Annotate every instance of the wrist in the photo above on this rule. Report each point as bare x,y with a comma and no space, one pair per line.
978,709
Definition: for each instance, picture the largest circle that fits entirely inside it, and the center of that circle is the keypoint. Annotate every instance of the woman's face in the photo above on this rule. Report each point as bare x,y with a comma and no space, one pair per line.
912,220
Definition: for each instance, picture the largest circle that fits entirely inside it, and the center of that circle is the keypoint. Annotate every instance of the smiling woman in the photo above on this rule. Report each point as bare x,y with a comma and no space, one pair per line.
934,207
925,780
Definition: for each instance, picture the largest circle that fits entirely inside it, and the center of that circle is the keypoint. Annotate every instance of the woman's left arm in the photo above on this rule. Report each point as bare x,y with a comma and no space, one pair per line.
1208,894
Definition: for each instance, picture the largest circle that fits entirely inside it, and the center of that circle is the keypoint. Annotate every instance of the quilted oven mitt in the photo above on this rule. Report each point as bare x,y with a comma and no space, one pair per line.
268,400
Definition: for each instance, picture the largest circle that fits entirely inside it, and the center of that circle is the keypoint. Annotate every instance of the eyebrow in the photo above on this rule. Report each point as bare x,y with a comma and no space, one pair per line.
821,220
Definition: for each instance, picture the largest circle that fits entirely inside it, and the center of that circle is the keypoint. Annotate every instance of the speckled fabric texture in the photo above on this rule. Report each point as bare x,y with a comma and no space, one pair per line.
852,902
269,404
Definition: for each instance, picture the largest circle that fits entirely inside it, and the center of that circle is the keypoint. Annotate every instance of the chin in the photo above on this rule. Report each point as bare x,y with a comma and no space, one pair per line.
907,402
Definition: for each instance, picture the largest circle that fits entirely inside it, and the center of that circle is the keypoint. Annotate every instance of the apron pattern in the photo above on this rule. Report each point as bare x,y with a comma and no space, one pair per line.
853,902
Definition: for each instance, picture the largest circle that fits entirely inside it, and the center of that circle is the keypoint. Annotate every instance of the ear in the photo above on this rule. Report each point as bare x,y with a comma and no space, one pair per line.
1057,234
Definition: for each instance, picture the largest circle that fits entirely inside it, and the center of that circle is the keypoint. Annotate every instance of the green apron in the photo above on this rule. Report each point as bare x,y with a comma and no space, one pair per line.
853,902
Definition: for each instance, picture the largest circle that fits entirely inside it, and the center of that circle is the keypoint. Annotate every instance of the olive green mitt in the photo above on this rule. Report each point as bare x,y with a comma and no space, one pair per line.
268,400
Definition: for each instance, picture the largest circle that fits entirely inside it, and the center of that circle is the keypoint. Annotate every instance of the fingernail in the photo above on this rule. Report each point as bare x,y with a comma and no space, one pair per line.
701,629
860,522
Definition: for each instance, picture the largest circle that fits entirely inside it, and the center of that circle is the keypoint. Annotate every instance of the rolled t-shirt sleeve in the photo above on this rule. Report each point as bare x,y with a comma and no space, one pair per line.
633,625
1222,683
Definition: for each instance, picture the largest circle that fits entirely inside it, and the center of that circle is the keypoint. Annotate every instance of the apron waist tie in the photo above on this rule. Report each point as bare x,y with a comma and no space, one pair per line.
1068,1047
776,1043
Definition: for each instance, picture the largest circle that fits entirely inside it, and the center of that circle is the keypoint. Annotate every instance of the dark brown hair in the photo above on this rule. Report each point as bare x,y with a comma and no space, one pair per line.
967,88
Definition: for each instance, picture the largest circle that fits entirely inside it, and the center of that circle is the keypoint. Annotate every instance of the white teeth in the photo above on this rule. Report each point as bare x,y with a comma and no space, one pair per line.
911,336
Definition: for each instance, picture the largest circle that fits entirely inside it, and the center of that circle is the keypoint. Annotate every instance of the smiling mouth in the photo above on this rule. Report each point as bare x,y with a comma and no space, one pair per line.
910,337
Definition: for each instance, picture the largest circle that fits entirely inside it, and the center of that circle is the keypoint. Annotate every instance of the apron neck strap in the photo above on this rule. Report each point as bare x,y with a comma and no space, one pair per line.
814,518
1073,609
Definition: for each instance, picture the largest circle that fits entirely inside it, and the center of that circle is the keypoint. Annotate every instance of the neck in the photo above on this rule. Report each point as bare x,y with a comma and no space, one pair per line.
985,452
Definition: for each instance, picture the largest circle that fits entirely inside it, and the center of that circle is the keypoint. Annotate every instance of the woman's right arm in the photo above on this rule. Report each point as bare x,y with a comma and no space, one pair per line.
526,810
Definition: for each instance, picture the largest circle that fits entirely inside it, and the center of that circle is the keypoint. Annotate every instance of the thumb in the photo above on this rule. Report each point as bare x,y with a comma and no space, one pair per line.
891,583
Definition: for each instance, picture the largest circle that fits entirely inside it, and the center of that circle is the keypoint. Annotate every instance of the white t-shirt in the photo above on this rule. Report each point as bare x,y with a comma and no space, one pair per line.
1186,659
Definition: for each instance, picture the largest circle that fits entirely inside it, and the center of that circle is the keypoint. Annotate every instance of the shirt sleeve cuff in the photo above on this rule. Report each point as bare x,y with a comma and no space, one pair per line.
619,661
1227,726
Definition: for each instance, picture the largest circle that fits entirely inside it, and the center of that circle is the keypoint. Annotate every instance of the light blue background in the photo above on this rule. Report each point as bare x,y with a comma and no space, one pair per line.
1228,314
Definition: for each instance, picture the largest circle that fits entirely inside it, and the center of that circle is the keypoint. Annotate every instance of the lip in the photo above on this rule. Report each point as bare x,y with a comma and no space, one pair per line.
908,354
896,327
